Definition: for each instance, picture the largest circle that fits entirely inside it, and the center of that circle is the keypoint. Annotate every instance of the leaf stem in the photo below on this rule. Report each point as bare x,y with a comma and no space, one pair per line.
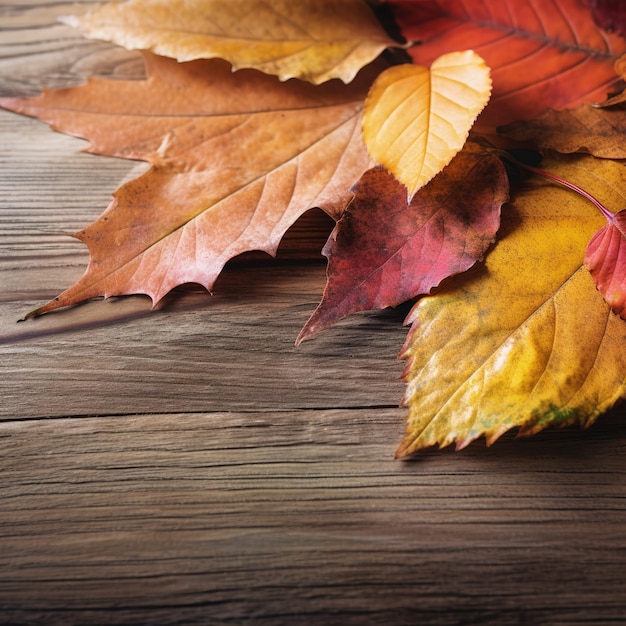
610,217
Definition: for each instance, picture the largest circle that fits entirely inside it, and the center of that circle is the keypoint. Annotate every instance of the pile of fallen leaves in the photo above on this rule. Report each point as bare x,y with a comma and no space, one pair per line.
470,153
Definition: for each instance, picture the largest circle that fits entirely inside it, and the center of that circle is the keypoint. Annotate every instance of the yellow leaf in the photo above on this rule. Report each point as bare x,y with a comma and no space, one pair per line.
525,341
415,120
312,40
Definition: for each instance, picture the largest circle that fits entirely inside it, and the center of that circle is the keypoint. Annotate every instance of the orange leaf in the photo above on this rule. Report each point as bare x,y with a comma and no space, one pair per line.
237,158
313,40
606,260
547,54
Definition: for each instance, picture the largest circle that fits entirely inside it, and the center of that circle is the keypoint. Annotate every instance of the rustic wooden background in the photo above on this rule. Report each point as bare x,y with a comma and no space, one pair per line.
189,465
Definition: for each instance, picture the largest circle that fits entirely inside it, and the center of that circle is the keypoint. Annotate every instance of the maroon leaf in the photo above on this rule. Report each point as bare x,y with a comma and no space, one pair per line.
384,252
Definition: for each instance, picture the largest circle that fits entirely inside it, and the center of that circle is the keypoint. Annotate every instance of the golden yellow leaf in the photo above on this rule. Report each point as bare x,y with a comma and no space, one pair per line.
415,120
526,340
314,40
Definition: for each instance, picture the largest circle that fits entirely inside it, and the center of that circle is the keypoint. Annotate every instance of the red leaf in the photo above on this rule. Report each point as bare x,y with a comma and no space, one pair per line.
384,252
543,54
606,260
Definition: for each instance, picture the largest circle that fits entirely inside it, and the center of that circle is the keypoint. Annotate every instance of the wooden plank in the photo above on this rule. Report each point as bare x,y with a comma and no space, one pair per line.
285,517
234,350
37,50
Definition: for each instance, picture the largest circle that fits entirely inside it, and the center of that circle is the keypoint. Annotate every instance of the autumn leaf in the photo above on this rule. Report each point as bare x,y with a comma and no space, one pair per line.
315,40
598,131
236,159
606,260
525,341
542,54
415,119
384,252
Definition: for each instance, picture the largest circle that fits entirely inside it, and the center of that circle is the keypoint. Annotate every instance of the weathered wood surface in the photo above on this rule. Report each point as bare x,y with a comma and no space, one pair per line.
189,465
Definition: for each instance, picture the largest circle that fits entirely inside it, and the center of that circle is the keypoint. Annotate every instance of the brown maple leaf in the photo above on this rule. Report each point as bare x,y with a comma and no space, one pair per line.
236,159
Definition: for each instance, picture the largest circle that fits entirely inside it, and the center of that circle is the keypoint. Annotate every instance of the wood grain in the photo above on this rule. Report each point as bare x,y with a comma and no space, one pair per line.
189,465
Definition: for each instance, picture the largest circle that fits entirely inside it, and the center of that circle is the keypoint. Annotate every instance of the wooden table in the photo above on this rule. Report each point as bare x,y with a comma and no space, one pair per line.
189,465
